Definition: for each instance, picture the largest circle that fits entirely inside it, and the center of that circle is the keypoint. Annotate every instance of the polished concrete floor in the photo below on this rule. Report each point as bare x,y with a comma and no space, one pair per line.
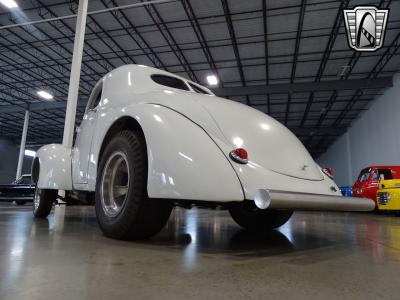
201,254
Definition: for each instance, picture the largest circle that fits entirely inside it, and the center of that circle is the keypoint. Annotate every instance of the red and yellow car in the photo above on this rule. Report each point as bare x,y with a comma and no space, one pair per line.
367,183
388,196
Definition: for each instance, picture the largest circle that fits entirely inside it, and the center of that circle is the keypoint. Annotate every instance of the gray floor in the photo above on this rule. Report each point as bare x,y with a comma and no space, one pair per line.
201,254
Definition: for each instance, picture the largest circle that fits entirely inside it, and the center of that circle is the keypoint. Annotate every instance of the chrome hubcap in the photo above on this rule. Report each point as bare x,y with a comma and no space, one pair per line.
36,199
114,184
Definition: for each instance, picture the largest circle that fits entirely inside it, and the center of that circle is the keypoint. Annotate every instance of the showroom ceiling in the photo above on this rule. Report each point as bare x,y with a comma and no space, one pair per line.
245,43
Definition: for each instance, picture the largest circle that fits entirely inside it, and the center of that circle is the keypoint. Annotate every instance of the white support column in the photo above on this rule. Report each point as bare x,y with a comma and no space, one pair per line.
73,89
22,147
349,161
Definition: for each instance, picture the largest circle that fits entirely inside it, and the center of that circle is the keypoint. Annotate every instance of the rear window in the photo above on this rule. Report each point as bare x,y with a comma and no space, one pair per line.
170,81
198,89
385,173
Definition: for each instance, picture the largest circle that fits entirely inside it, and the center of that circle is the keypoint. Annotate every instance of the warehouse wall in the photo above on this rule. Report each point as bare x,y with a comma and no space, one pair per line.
373,139
9,160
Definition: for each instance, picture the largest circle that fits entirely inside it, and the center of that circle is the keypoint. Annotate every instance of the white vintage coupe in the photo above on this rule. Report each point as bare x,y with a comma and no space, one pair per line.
150,140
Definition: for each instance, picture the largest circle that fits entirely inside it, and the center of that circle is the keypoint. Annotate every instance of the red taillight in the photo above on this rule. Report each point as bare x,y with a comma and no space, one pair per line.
239,155
328,171
242,153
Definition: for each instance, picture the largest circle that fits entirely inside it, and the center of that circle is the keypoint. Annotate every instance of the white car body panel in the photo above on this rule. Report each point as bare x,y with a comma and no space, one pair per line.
189,137
81,152
178,168
270,144
55,167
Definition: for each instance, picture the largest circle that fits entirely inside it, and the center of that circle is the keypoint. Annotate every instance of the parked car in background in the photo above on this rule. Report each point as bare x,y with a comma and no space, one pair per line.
347,191
20,191
367,183
388,195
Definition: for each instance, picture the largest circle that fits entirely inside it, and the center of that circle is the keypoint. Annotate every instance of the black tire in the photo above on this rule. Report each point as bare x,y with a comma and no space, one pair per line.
43,202
247,215
138,216
20,202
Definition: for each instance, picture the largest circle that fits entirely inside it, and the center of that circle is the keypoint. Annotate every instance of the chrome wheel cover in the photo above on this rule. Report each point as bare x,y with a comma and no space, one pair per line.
114,184
36,199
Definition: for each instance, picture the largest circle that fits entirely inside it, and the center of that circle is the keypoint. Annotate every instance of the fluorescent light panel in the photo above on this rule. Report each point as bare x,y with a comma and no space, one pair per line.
30,153
9,3
212,80
45,95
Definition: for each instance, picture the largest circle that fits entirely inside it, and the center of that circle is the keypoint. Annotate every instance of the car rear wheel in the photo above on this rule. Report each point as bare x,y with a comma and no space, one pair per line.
43,202
247,215
123,208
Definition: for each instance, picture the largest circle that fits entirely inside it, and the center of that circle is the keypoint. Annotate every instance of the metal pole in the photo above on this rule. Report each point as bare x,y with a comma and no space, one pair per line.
73,89
22,147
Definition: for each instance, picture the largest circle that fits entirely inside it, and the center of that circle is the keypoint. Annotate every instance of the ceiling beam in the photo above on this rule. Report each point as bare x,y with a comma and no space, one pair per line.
187,6
164,30
295,56
313,131
235,46
285,88
7,109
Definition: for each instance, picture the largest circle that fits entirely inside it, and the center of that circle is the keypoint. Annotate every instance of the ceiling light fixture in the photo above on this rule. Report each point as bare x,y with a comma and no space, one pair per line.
45,95
212,80
30,153
9,3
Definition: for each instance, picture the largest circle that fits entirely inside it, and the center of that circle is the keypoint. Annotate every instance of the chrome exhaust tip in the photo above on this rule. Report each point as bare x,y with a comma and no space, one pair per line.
272,199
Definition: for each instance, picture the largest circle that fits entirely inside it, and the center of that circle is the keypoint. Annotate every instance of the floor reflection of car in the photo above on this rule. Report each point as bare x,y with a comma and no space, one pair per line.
388,196
367,183
20,191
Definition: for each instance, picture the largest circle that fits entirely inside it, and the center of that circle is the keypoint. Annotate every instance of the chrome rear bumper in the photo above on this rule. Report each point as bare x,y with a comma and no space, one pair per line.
270,199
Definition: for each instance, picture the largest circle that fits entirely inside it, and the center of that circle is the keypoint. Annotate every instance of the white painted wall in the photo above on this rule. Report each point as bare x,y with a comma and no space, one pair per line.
373,139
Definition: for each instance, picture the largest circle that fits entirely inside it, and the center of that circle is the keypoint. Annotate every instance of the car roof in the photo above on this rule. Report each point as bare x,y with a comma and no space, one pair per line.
382,167
152,71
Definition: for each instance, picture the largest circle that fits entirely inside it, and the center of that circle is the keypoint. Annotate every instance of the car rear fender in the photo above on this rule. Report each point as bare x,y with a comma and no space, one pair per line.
184,162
